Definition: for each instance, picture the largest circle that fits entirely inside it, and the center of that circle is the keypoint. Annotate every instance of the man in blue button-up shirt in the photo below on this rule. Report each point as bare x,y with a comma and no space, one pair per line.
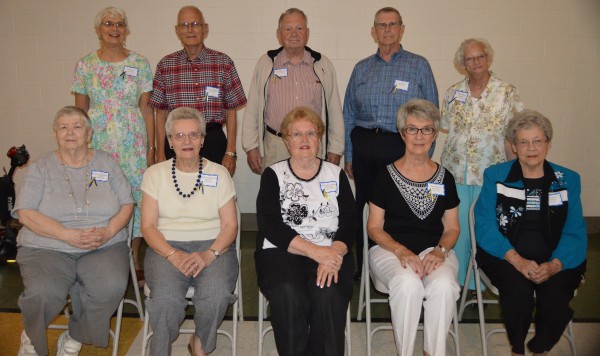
379,85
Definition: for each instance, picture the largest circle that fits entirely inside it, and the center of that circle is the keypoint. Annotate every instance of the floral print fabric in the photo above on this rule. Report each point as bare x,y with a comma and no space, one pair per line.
476,142
114,89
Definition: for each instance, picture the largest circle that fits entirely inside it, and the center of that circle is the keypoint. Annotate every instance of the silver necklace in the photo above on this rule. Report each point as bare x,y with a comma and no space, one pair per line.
85,202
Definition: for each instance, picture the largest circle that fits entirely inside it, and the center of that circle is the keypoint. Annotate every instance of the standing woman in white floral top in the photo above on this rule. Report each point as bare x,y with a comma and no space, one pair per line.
113,85
475,112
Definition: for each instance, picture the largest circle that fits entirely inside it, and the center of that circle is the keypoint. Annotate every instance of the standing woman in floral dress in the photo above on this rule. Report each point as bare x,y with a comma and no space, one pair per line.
113,85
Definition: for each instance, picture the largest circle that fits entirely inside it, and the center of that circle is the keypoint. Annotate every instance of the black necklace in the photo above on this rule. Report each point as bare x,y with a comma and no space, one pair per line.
198,181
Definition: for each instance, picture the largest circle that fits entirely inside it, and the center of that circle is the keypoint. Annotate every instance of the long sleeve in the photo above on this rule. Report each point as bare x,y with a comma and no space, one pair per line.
347,219
349,115
270,221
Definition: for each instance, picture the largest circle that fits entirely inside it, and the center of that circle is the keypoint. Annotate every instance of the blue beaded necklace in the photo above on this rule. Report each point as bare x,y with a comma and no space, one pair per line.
198,181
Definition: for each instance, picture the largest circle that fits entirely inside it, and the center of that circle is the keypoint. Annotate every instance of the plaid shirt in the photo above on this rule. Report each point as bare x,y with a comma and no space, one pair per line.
209,83
378,88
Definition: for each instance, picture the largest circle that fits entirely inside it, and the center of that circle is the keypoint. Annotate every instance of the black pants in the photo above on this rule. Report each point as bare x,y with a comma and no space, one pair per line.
215,144
306,319
551,302
371,152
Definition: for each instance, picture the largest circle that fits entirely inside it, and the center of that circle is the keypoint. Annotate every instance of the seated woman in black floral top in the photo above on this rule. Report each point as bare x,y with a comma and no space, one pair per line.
306,226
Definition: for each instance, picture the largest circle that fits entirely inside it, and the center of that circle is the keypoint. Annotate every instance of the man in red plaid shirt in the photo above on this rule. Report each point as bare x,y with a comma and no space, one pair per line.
201,78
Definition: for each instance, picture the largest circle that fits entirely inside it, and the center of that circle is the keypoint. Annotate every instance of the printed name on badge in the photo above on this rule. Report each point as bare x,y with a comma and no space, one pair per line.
436,189
212,92
401,84
280,72
554,199
461,95
100,176
209,180
131,71
329,187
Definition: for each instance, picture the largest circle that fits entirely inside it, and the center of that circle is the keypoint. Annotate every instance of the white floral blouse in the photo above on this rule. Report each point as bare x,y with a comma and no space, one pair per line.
476,134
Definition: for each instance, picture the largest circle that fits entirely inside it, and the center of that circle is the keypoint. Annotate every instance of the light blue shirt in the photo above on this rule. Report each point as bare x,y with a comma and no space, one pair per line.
378,88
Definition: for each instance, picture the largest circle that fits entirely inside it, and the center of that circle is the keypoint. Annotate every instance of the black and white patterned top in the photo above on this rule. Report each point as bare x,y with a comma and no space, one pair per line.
320,209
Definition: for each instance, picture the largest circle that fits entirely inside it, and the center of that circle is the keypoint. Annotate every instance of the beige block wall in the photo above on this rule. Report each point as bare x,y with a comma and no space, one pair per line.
550,49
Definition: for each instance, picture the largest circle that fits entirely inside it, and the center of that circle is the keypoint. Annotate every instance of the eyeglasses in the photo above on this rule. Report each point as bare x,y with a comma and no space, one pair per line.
478,58
383,25
297,136
180,136
413,130
537,143
109,24
187,25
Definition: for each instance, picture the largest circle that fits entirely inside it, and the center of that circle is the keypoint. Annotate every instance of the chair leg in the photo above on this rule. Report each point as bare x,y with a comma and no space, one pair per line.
571,338
348,332
117,332
465,291
456,335
261,316
145,334
138,299
361,296
481,315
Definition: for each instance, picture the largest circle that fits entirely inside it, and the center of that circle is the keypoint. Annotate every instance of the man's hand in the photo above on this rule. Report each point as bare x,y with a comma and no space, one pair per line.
229,163
334,158
255,161
348,169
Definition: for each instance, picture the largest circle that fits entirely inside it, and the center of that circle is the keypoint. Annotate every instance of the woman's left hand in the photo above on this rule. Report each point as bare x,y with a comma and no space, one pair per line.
325,275
434,259
545,272
150,157
195,262
97,236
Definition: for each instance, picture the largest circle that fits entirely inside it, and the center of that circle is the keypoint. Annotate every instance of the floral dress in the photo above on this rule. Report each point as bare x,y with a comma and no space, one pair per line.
114,89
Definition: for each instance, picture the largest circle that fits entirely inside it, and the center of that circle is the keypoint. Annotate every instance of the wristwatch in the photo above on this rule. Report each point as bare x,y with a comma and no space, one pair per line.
443,249
215,252
231,154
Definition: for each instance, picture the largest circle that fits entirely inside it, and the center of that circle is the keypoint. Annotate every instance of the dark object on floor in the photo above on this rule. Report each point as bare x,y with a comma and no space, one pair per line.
8,236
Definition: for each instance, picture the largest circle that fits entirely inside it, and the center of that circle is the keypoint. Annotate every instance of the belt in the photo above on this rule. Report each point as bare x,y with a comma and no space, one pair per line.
276,133
377,130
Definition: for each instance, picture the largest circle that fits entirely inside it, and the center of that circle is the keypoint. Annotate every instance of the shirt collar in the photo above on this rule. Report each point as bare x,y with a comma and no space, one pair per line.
282,59
201,56
394,56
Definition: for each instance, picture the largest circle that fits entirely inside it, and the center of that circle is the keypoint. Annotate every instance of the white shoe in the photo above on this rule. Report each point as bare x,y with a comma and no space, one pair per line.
67,346
26,348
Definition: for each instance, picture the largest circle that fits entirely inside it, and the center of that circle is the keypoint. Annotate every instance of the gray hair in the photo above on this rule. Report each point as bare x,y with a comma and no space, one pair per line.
112,12
459,56
387,9
72,110
421,109
527,119
184,113
291,11
191,7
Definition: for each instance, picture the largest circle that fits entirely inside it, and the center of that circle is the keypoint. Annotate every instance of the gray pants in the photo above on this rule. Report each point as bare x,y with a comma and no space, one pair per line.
95,281
166,306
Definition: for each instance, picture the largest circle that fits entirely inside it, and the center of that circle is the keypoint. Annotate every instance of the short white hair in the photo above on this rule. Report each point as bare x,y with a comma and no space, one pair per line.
112,12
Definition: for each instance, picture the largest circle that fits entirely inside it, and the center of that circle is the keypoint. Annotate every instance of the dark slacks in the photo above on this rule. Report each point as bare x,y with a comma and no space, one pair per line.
517,299
215,144
306,319
371,152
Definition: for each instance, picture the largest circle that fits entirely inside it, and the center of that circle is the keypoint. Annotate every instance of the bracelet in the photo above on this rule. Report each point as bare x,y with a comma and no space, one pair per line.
169,254
443,249
231,154
152,148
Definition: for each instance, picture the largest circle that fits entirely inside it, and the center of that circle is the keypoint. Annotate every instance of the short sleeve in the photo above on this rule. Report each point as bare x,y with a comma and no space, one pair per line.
120,185
78,78
452,199
145,76
379,192
226,189
150,181
32,190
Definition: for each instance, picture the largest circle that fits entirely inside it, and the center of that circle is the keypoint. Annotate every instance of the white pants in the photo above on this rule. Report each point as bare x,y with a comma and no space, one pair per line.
407,291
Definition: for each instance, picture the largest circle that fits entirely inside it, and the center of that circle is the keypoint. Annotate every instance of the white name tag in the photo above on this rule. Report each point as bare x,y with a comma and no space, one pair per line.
329,187
100,176
131,71
212,92
401,85
554,199
280,72
461,95
209,180
436,189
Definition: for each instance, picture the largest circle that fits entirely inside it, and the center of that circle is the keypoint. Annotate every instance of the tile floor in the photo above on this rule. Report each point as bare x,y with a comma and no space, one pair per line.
586,335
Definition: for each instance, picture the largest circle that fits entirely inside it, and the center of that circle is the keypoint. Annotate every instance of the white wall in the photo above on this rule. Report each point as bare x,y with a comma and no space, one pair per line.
550,49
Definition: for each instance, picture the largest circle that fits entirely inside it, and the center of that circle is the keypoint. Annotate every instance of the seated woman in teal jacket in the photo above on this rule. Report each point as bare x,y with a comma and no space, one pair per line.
531,235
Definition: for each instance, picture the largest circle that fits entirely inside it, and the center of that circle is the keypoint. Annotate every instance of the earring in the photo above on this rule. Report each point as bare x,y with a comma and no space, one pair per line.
171,147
